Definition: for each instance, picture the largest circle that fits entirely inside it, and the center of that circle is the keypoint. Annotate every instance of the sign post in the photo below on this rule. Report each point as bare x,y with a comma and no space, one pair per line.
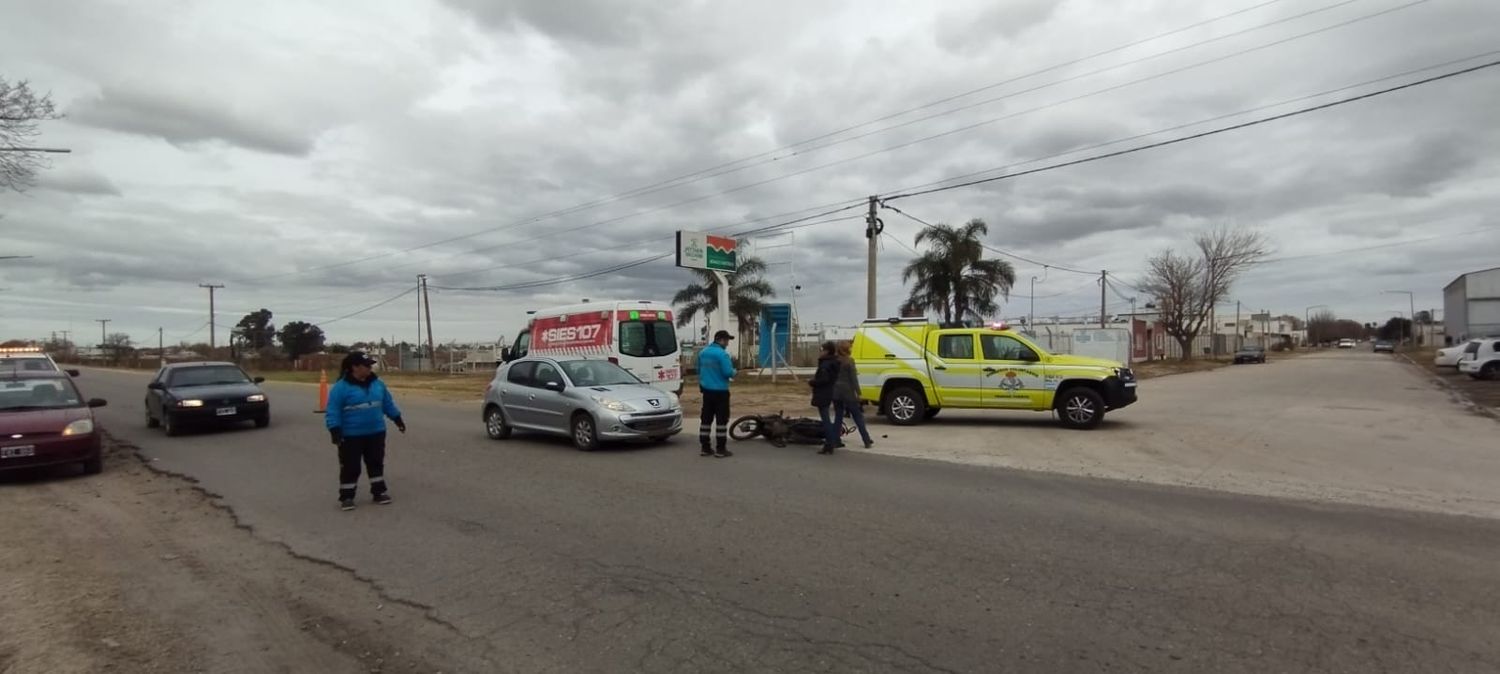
717,255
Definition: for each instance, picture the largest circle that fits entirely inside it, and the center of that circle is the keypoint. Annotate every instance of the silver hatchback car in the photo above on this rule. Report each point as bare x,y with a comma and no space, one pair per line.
588,400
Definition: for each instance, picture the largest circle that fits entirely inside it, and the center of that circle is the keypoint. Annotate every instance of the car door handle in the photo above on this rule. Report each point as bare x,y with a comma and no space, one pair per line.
890,355
656,367
939,367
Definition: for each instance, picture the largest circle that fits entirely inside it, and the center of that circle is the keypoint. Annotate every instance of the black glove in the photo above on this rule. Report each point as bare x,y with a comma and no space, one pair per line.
400,425
337,435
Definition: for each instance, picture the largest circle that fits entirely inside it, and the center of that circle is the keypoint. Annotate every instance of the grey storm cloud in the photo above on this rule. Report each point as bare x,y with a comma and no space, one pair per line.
186,119
76,181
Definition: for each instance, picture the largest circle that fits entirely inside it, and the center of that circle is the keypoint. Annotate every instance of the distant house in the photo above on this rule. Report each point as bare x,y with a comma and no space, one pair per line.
1471,305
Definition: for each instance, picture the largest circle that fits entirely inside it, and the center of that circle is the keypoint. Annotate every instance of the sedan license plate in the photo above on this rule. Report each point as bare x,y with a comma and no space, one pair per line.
17,452
225,411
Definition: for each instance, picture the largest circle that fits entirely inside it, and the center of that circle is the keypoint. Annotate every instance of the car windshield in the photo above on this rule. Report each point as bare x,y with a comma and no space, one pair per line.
37,393
597,373
1252,347
9,365
207,375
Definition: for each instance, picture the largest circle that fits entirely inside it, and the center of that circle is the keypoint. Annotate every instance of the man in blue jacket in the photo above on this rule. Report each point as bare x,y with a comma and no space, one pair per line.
357,407
715,371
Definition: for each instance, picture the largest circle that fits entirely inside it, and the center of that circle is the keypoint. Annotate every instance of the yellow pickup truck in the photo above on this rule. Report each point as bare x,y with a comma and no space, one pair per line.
912,368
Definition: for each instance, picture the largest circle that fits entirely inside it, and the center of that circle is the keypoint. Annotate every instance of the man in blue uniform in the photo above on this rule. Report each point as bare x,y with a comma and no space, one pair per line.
357,408
715,371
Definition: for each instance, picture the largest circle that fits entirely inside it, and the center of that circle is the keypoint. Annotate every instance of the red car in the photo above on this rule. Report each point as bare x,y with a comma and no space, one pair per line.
44,421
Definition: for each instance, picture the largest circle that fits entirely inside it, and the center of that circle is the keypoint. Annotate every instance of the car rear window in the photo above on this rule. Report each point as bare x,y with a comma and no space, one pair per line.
207,375
1472,347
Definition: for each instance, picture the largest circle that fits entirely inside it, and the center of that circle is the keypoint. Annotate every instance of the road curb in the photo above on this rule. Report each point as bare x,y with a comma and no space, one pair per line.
1454,392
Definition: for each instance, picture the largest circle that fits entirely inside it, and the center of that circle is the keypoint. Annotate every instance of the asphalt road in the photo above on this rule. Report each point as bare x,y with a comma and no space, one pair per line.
653,559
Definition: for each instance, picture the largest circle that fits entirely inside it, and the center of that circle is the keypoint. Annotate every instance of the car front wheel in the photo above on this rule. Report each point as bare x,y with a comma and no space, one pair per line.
169,425
585,433
151,421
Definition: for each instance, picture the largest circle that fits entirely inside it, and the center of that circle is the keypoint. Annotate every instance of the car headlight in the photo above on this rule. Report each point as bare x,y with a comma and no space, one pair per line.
190,403
80,427
257,398
676,402
613,405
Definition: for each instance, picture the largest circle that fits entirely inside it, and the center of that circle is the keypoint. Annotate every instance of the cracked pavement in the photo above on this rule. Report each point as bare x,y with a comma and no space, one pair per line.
652,559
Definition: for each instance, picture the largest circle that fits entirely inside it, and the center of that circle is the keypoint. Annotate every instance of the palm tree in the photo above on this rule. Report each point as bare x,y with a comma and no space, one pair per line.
747,295
952,277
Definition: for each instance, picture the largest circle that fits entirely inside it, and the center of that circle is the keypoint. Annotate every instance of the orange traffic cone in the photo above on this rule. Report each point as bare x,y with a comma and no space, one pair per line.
322,392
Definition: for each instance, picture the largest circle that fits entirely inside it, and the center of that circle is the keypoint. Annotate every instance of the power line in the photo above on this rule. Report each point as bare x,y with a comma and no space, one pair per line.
1204,134
1394,244
372,307
526,285
992,248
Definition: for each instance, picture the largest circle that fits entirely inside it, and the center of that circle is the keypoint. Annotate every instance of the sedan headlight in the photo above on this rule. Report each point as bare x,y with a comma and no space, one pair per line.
80,427
190,403
257,398
613,405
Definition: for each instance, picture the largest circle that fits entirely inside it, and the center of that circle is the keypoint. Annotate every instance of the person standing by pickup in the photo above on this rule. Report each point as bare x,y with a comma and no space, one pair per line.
715,372
824,384
846,396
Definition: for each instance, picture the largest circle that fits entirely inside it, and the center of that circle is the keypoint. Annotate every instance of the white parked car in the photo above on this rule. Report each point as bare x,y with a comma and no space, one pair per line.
1481,359
1450,356
1346,344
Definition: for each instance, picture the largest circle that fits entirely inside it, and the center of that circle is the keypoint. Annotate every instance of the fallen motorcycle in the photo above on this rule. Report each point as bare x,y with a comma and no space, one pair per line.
780,430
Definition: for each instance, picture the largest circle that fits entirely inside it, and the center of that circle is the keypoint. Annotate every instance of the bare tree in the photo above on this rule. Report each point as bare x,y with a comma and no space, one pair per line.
1188,288
1322,327
21,109
1177,283
1227,253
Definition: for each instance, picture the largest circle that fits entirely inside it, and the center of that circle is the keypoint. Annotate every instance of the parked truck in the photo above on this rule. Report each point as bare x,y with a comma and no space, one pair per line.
913,368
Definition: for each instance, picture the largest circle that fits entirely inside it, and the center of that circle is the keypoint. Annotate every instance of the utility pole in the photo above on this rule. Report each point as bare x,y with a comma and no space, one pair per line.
213,341
102,323
1237,343
873,227
416,345
425,300
1103,288
161,348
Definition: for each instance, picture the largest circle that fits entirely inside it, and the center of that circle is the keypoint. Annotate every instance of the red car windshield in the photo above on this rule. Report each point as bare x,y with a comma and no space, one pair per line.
37,393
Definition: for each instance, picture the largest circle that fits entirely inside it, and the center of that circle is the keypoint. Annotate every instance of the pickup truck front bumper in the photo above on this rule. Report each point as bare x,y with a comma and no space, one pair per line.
1120,391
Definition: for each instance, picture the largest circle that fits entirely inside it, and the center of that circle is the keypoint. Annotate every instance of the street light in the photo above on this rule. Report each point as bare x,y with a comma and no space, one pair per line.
1410,297
1031,315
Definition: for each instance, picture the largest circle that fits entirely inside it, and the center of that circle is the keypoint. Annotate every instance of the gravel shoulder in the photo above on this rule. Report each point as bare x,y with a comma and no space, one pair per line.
135,570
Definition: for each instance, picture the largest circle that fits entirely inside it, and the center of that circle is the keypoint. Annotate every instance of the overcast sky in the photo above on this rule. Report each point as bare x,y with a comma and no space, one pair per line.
315,157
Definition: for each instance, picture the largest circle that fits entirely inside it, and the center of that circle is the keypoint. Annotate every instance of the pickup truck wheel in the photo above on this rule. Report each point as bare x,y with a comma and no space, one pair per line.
905,406
1080,408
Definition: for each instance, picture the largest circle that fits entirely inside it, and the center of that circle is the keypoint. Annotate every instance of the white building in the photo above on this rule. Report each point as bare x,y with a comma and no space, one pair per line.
1471,305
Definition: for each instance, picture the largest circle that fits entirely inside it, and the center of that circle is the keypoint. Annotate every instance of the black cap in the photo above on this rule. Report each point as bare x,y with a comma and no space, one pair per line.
357,358
722,334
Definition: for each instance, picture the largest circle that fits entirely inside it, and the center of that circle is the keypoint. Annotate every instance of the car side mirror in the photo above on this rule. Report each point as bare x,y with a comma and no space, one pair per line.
97,402
505,355
72,372
156,386
553,386
260,380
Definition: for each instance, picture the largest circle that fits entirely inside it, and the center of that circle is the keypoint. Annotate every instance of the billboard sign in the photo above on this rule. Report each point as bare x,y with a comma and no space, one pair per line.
700,250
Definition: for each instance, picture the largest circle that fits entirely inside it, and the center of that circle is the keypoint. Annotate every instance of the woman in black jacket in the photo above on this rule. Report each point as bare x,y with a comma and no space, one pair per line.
823,383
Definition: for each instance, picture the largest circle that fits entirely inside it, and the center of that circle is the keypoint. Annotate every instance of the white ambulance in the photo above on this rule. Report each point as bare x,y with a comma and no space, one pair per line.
638,335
